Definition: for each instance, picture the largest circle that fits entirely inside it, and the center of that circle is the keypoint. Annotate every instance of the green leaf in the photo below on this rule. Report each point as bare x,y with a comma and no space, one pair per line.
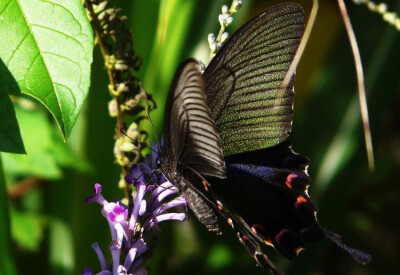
219,256
6,263
39,161
173,26
65,157
27,229
47,153
10,136
61,245
49,52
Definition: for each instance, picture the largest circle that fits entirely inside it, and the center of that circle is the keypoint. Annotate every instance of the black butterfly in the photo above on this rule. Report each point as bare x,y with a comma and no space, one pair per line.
263,191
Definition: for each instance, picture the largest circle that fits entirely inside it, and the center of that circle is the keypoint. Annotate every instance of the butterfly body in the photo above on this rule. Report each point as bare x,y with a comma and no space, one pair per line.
184,179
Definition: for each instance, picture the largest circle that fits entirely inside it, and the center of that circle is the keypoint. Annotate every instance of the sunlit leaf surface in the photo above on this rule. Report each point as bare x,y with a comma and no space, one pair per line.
49,53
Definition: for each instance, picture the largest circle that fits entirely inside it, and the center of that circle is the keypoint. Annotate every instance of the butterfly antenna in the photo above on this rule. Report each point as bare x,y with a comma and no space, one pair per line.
149,106
152,126
123,131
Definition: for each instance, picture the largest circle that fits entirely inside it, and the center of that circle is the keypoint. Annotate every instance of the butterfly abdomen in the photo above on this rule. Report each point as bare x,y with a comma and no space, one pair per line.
203,212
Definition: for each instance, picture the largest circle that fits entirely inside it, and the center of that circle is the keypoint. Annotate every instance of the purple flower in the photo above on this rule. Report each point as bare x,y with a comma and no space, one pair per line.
116,213
155,196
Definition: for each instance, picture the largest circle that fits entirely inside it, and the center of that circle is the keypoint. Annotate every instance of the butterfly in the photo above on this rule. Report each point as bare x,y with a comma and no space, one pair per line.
226,140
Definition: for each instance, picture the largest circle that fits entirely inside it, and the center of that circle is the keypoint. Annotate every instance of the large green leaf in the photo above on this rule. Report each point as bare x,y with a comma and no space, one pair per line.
49,53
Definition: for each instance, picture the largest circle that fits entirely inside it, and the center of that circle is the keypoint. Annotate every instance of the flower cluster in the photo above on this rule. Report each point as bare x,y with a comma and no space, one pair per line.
129,225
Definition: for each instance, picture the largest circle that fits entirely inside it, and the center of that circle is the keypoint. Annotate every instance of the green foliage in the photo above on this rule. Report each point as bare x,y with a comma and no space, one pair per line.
46,152
6,257
167,48
27,229
61,245
219,257
47,55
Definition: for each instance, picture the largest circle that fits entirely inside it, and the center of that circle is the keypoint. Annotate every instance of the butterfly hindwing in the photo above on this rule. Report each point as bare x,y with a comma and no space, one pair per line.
270,197
266,194
244,80
200,200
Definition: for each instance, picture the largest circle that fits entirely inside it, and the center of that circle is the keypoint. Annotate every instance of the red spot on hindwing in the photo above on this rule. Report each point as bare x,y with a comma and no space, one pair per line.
280,234
219,205
205,184
289,179
297,250
260,231
268,241
304,230
244,238
299,200
229,220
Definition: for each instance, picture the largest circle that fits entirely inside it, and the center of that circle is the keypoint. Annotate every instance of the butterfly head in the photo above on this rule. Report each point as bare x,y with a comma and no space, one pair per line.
159,162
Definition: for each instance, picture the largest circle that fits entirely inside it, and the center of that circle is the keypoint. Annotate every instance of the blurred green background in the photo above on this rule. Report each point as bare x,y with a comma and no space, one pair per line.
53,229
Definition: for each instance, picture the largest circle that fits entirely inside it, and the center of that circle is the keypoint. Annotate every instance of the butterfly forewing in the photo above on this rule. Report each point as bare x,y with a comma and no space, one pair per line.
192,144
190,134
244,81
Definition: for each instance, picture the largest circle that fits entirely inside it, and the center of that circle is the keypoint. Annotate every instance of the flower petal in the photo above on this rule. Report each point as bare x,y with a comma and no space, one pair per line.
97,197
100,255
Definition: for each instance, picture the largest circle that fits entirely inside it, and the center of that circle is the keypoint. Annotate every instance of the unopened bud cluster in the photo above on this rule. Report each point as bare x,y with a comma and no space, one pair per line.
121,61
382,9
125,148
225,19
